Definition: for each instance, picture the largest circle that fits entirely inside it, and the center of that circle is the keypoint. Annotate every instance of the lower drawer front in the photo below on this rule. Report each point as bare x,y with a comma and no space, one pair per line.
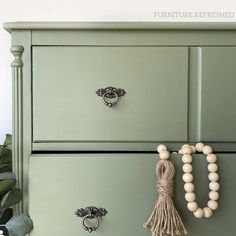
124,184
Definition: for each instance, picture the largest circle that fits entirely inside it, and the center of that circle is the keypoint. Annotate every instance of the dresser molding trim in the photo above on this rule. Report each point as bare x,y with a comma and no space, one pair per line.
135,37
10,26
120,146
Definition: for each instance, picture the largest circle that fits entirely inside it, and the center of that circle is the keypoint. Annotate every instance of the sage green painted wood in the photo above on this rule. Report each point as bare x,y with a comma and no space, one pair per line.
22,115
193,95
85,34
122,146
9,26
217,85
17,145
134,37
47,194
66,108
124,184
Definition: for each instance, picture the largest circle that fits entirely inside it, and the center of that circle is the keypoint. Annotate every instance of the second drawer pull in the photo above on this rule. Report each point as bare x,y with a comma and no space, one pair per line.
90,213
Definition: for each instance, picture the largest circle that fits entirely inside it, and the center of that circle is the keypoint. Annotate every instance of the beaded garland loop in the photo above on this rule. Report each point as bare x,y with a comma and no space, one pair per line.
213,177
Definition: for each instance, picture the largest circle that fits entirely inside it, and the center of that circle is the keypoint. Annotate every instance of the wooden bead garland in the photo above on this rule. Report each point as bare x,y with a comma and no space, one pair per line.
213,176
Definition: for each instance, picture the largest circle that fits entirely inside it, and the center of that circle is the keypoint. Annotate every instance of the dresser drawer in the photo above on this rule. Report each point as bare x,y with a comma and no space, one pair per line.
217,101
66,107
124,184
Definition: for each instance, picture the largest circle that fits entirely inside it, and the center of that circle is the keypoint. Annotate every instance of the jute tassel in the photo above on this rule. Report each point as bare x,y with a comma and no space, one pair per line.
165,218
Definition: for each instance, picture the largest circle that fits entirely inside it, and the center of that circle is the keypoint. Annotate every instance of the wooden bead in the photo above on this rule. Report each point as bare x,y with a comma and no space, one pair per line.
193,149
213,177
214,186
211,158
214,195
161,148
207,150
187,177
164,155
186,158
212,204
199,213
187,168
190,197
192,206
189,187
207,212
199,147
212,167
186,150
185,145
180,151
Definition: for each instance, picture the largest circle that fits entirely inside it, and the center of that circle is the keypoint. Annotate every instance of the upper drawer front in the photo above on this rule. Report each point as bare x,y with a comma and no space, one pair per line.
217,101
66,107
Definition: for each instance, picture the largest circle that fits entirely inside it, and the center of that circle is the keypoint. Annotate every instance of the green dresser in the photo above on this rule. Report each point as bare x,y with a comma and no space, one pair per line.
77,143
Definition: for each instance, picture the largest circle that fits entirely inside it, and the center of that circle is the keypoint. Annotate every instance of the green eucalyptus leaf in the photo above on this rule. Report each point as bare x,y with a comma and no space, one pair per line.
7,175
6,157
6,215
19,225
5,168
1,211
8,141
6,185
11,198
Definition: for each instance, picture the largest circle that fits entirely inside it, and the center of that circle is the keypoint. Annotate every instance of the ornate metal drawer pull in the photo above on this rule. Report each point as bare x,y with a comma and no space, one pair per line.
110,95
89,213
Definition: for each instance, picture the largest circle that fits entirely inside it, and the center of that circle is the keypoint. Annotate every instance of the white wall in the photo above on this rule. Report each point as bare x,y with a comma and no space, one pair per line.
88,10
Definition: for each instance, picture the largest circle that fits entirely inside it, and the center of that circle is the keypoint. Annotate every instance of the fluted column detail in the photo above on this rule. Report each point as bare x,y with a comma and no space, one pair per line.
17,142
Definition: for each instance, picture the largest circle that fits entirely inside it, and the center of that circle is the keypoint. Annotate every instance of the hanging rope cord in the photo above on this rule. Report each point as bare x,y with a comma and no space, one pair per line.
165,173
165,218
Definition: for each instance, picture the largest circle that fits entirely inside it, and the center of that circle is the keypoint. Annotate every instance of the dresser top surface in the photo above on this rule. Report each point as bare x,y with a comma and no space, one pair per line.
57,25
